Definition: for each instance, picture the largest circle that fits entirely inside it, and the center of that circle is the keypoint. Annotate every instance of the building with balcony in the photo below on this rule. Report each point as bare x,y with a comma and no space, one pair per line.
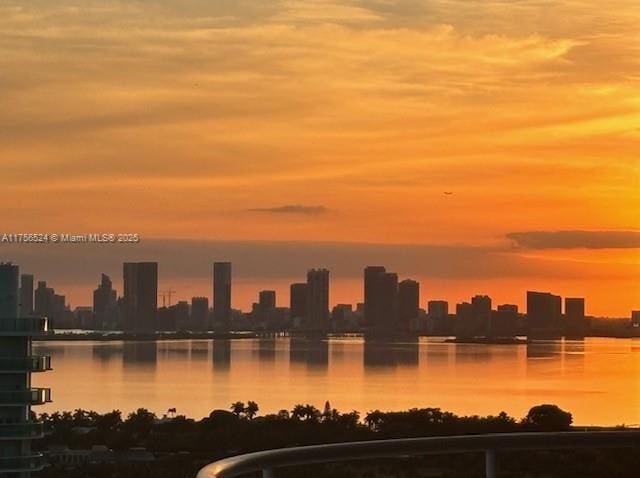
17,395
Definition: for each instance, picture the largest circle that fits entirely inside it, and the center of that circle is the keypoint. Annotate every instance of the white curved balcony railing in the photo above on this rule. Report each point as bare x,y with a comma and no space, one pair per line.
270,460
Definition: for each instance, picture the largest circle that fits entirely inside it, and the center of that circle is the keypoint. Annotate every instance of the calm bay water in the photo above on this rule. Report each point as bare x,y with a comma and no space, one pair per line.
598,380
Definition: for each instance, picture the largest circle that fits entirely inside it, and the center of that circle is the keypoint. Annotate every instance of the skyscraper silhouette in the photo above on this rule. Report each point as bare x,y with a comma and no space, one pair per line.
298,301
575,325
26,295
544,313
388,325
372,294
105,303
140,296
318,299
222,294
408,304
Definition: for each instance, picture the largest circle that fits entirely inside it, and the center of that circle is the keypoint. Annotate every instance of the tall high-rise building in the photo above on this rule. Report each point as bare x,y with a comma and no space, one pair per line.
575,324
9,298
52,306
408,303
381,301
105,304
481,310
17,427
318,299
43,299
222,294
574,308
26,295
372,297
388,313
544,313
140,298
298,301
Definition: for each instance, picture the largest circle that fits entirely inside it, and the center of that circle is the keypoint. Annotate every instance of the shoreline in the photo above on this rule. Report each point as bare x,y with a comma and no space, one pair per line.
243,335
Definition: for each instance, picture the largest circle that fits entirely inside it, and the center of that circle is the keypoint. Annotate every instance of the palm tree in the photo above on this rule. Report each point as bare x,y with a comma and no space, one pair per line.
238,408
251,409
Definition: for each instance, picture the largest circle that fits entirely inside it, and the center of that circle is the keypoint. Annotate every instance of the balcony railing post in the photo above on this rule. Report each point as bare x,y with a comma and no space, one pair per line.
268,473
490,463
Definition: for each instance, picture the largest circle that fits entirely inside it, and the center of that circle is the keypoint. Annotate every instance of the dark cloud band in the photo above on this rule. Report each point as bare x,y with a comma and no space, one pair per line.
292,209
576,239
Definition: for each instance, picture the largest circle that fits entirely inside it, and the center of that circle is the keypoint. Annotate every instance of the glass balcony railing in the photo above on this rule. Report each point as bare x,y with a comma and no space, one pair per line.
23,326
25,364
16,464
33,396
21,431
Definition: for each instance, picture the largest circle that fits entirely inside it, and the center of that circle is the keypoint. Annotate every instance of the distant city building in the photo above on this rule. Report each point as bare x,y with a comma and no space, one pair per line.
635,318
438,309
575,324
481,305
504,322
465,326
473,319
508,308
52,306
199,313
140,296
298,301
222,294
61,315
17,362
83,318
388,315
318,299
9,297
438,318
372,296
264,310
26,295
381,301
544,314
105,304
43,300
179,314
267,299
342,317
574,308
408,304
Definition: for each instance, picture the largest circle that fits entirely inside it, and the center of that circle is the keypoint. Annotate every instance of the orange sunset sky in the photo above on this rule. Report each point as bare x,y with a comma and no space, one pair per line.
309,131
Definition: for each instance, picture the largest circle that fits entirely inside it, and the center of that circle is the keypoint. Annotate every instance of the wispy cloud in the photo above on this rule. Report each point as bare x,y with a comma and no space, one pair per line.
576,239
292,209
